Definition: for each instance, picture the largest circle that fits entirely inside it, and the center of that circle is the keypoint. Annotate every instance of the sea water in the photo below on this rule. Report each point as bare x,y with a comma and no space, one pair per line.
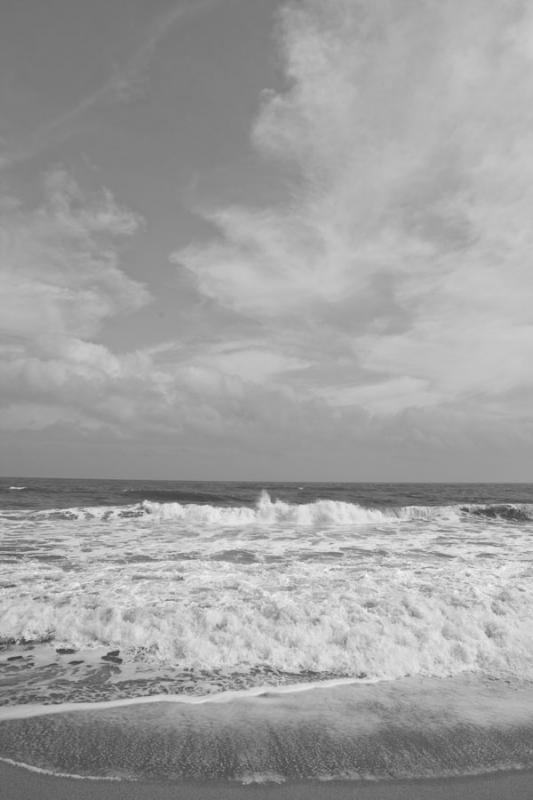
116,590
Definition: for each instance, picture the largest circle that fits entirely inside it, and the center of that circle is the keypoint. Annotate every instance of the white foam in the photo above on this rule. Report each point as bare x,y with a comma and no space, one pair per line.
300,618
28,710
55,773
261,777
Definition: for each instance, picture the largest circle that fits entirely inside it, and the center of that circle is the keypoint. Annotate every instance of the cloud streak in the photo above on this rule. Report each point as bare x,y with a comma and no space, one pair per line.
126,84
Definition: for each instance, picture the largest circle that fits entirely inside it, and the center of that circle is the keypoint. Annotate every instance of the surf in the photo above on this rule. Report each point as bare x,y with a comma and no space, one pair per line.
277,512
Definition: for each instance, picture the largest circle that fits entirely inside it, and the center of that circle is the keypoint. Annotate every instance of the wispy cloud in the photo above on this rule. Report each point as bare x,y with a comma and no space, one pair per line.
126,83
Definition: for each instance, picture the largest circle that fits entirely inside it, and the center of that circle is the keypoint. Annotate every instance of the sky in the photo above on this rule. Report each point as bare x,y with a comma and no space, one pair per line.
267,240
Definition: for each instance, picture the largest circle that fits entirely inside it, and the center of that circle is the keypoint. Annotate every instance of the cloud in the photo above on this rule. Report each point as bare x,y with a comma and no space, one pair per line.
59,272
408,128
380,316
61,282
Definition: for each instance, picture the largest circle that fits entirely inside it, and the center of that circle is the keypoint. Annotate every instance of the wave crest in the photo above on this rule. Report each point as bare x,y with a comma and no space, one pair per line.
277,512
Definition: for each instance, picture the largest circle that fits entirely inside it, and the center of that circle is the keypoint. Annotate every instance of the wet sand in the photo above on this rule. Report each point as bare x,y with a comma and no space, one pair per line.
388,742
20,784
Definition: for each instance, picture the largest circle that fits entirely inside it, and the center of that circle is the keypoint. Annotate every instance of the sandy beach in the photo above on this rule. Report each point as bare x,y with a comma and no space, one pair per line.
21,784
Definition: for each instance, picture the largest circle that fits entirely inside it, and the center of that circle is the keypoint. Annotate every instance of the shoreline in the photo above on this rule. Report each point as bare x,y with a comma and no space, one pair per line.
414,729
29,710
21,783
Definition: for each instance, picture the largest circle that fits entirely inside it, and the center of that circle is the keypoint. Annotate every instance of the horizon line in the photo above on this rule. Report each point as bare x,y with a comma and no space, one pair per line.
267,480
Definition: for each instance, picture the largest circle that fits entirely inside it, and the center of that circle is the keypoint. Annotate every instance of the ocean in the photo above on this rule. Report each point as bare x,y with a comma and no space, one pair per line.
212,595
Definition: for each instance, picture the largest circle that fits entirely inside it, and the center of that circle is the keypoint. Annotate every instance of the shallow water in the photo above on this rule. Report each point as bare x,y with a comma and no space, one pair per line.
407,728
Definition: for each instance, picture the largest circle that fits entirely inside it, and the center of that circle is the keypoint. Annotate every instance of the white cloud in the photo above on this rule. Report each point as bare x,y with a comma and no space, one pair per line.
59,272
409,125
60,280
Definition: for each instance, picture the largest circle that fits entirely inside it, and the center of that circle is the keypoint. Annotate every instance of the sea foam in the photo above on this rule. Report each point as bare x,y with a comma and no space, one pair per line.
302,620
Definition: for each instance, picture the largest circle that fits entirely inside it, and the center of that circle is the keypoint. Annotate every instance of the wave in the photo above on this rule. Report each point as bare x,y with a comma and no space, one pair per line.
186,496
276,512
16,488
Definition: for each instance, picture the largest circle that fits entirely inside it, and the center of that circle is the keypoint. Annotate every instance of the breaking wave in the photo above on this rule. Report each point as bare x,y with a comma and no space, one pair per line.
276,512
